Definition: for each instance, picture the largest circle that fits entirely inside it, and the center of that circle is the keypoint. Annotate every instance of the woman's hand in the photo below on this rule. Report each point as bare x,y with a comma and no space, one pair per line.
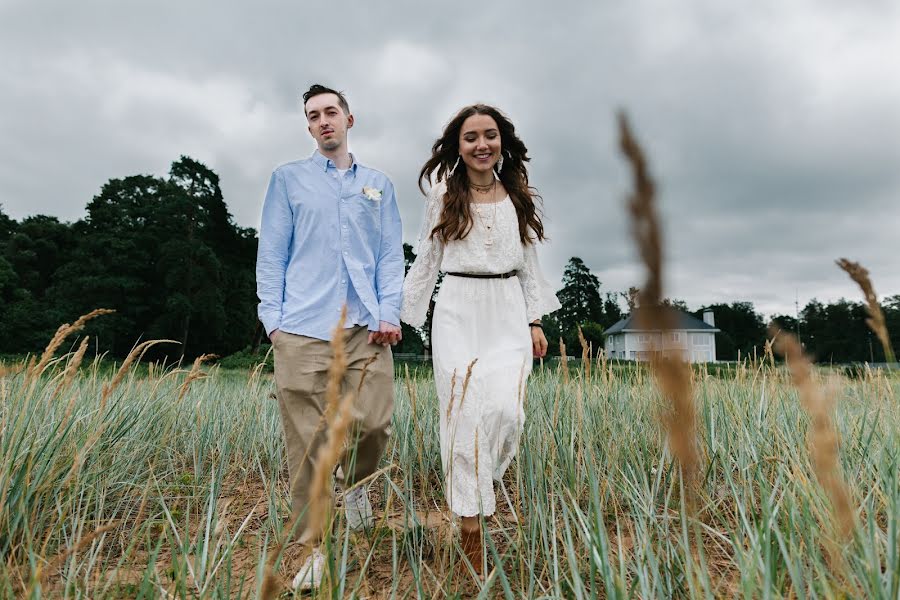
538,342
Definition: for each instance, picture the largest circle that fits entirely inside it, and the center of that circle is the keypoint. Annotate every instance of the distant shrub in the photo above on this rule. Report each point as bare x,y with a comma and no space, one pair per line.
246,359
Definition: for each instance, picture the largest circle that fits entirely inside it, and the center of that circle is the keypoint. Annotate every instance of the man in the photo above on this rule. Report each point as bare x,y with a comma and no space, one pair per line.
330,237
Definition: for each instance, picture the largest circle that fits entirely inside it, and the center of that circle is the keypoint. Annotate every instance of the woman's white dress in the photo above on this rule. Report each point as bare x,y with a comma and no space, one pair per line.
483,320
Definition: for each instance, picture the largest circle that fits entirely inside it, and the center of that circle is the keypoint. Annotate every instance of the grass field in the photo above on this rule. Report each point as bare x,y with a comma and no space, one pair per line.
163,484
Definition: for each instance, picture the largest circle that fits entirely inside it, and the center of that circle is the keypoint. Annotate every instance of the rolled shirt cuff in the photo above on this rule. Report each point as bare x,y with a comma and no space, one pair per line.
270,323
389,314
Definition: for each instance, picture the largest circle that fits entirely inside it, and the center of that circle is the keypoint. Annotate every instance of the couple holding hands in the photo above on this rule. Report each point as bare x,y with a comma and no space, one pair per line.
331,237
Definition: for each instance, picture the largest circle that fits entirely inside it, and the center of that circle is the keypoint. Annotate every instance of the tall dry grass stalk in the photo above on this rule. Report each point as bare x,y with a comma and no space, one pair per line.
822,438
12,369
195,373
585,354
673,376
601,365
136,354
64,331
876,323
452,394
465,387
71,368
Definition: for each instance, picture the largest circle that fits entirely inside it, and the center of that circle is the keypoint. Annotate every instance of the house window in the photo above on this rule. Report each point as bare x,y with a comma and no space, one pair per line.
643,338
675,336
633,354
700,339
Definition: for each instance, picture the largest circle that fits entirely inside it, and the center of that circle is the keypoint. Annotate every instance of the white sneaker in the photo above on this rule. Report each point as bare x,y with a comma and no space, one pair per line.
358,509
310,574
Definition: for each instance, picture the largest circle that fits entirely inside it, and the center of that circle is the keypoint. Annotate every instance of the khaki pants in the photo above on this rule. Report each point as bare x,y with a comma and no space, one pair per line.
301,374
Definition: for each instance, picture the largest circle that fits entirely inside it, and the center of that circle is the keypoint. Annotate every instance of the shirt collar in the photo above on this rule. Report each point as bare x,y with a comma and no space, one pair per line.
325,162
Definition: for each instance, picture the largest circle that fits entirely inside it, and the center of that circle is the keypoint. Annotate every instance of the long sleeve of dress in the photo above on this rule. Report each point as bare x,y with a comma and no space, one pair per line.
422,277
539,296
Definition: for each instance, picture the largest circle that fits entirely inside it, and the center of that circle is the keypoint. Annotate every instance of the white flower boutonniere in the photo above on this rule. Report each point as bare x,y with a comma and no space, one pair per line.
372,194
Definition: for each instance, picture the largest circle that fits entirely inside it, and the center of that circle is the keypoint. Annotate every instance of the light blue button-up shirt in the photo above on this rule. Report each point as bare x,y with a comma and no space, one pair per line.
324,242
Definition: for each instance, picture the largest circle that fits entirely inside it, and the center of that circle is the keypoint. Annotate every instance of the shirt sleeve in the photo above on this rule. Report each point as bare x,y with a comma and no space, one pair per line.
275,236
423,273
539,296
389,268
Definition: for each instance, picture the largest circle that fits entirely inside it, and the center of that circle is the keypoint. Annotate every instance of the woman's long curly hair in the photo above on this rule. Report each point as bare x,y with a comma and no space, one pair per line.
456,218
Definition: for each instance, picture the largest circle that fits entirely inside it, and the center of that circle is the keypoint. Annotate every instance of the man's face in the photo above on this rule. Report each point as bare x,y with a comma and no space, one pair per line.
328,123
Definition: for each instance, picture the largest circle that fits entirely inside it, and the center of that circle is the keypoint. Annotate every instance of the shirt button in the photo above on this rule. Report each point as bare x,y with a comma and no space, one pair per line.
345,253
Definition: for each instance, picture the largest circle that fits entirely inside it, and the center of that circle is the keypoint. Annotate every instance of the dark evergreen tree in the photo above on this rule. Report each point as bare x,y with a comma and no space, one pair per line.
580,300
891,308
7,226
34,249
112,264
612,312
742,328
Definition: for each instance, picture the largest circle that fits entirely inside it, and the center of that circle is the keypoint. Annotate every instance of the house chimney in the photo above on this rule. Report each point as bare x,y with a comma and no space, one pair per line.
708,317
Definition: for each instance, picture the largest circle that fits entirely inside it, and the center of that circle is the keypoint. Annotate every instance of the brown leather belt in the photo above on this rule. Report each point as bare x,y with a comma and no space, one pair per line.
485,275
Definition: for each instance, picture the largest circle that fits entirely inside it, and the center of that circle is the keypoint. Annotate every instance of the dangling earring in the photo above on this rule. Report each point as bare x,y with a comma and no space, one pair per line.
453,169
500,163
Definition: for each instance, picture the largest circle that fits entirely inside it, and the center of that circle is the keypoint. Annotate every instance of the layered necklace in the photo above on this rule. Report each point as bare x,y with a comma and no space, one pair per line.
484,190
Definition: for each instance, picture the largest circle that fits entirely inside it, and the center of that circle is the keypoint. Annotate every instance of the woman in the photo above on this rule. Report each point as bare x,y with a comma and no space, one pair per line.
481,226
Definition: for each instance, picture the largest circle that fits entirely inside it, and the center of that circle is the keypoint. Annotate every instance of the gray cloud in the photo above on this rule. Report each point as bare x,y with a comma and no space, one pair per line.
772,129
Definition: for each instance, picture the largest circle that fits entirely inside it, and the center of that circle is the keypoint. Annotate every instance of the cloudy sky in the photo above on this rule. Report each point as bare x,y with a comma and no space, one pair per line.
773,128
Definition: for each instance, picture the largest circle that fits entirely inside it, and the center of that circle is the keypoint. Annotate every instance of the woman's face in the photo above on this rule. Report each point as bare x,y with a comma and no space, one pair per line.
479,143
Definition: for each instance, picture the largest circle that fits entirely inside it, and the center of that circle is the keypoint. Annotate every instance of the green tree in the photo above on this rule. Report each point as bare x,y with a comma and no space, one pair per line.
676,304
580,300
9,282
192,216
167,256
33,250
786,323
7,227
593,335
112,264
891,308
742,328
837,332
612,312
39,246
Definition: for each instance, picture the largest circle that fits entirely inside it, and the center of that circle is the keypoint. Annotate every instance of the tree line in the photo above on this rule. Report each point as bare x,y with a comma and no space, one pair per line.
166,254
835,332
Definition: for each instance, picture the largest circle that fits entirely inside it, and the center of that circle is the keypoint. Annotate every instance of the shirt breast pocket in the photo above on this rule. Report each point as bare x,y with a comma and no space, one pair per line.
366,215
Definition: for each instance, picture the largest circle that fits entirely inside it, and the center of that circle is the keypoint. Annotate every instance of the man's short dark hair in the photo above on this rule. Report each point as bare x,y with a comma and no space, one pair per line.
316,90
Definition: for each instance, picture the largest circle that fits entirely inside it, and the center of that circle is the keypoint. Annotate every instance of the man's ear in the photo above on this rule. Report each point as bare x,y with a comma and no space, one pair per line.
309,129
350,121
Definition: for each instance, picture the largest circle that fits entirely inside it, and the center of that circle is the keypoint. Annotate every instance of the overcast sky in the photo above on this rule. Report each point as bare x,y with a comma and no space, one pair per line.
773,128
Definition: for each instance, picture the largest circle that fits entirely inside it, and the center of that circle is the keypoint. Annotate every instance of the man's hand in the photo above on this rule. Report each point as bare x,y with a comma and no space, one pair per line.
273,334
387,334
